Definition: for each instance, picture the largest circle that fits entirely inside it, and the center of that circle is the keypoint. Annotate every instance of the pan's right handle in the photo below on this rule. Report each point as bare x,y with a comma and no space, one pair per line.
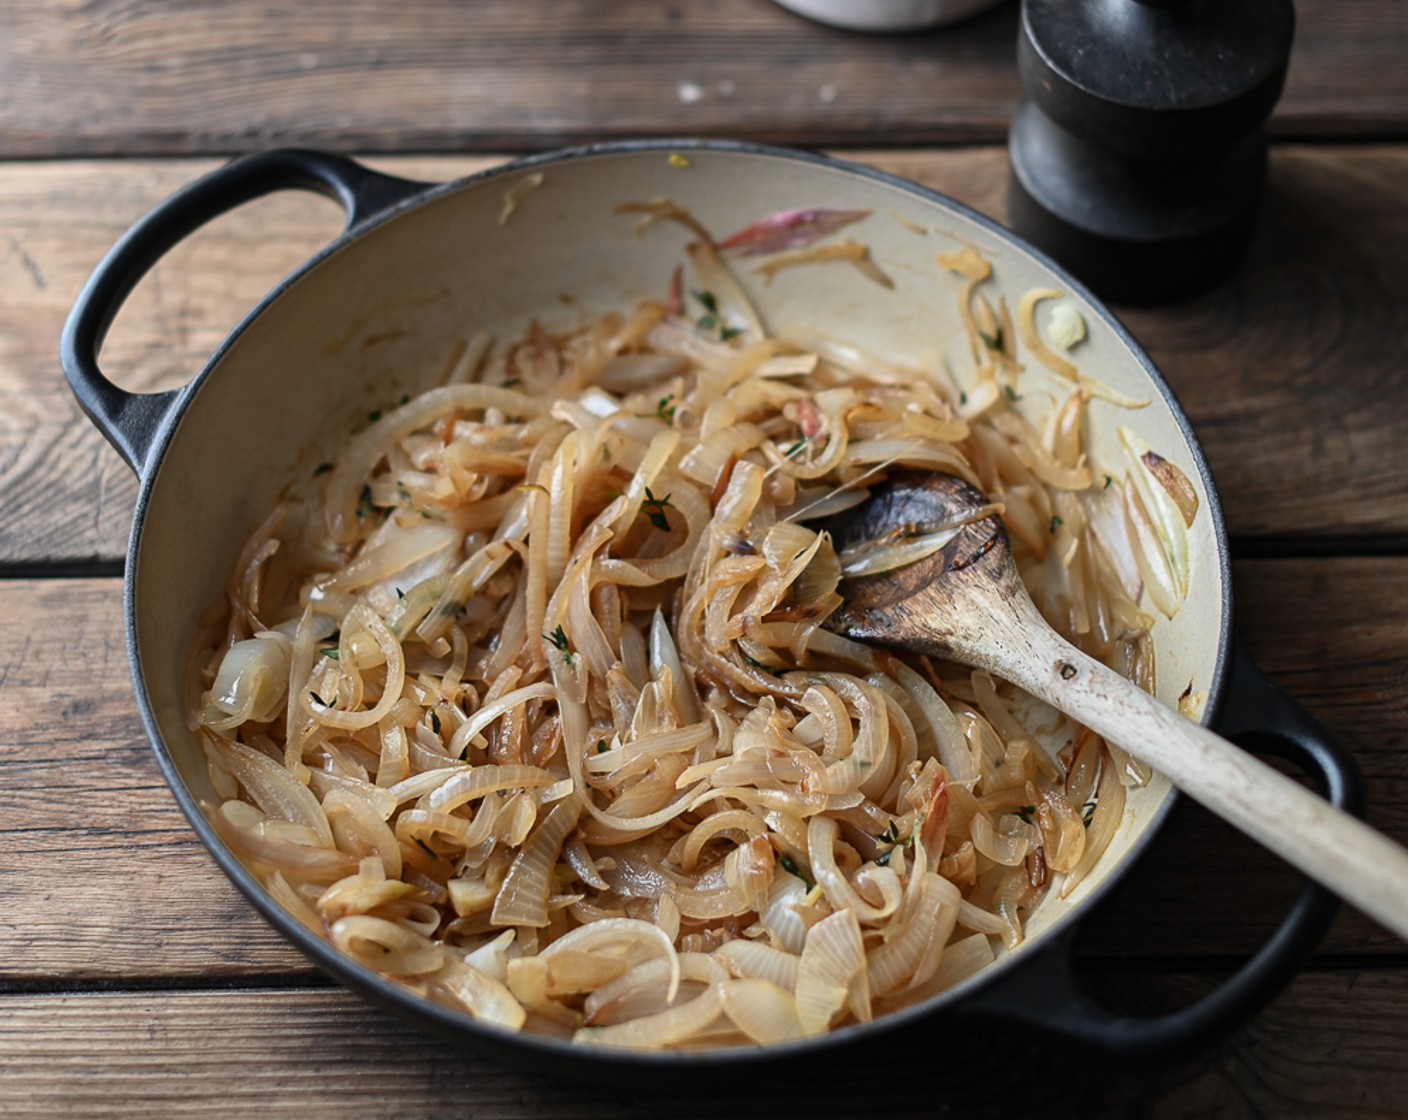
131,421
1042,990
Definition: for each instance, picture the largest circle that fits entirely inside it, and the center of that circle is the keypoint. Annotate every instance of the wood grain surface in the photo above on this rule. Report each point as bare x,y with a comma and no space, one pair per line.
1300,352
1323,1048
169,77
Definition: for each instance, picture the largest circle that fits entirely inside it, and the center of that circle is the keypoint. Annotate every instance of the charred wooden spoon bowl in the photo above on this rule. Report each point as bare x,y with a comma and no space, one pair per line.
966,603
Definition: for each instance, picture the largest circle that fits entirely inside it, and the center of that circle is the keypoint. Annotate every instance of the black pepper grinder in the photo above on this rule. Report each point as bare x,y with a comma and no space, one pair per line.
1137,155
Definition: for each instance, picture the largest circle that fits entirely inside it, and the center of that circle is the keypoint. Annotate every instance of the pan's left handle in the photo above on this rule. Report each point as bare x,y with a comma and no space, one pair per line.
131,421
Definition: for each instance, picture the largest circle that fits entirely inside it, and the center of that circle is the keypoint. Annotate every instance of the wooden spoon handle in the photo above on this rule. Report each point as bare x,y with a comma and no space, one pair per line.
1362,866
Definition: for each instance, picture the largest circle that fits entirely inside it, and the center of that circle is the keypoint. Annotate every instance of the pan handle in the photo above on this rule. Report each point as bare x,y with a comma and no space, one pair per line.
131,421
1042,991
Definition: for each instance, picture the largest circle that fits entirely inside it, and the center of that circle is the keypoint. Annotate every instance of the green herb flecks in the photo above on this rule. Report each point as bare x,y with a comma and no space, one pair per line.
655,510
1056,523
756,664
665,409
451,608
1087,811
1011,393
1026,812
992,341
712,320
558,640
789,865
330,652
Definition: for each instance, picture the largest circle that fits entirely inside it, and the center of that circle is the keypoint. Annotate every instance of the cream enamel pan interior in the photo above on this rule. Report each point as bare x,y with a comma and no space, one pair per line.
382,311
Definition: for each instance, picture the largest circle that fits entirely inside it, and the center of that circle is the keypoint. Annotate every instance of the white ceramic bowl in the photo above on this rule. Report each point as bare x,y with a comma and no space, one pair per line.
887,15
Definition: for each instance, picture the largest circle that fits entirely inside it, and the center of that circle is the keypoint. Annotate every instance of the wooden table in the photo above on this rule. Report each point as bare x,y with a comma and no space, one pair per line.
133,979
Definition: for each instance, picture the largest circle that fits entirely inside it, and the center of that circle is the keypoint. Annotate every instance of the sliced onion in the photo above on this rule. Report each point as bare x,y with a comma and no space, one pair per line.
486,715
361,893
470,896
980,921
831,974
779,916
633,756
274,789
1104,823
299,862
736,310
363,616
360,829
1031,337
491,958
378,799
1157,482
472,783
821,840
368,447
293,902
386,946
1159,578
523,898
654,1032
623,933
852,252
748,870
572,972
737,820
960,960
789,229
1004,848
485,997
252,680
391,556
914,951
642,990
762,1010
758,961
664,654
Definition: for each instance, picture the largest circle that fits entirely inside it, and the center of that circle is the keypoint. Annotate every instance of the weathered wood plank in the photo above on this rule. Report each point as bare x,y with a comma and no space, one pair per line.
1289,370
88,826
100,875
1331,1045
164,78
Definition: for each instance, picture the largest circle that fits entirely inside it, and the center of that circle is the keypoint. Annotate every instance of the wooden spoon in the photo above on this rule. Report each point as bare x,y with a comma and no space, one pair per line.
966,603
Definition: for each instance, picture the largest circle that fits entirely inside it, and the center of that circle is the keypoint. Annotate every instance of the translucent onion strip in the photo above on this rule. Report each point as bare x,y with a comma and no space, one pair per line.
523,899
